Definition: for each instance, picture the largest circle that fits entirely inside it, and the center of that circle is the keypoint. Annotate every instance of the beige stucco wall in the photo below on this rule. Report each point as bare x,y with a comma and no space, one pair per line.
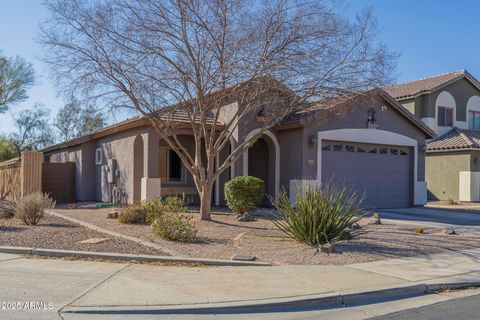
442,174
83,156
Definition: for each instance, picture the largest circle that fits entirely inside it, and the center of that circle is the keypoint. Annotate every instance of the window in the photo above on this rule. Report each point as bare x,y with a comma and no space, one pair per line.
445,117
403,153
350,148
98,156
383,150
374,150
394,151
337,147
326,148
360,149
175,167
473,119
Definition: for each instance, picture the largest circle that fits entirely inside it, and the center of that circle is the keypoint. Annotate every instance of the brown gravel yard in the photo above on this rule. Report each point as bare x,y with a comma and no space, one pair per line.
224,237
57,233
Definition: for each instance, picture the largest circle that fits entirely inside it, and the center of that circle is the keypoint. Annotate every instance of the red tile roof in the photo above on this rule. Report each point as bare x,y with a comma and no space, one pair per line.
414,88
456,139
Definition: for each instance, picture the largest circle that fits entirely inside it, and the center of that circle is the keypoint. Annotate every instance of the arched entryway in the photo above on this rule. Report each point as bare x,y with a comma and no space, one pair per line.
262,160
137,168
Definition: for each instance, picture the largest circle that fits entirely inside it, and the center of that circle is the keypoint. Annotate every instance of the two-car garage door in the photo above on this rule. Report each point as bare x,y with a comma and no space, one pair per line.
381,172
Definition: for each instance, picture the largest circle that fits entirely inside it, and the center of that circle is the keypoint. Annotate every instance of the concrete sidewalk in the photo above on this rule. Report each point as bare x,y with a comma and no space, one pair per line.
98,287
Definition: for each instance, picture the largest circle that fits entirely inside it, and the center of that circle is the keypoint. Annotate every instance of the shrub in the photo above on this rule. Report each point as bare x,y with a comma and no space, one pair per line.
175,227
133,214
175,204
7,210
155,208
243,193
320,215
31,208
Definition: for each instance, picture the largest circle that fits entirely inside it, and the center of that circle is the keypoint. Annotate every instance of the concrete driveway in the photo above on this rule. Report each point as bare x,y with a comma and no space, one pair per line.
458,219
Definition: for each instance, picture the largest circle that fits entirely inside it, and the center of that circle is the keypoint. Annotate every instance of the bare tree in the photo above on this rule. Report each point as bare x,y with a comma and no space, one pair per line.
73,121
182,63
32,130
16,76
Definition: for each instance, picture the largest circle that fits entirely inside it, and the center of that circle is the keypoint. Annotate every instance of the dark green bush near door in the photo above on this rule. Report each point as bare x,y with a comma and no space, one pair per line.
243,193
320,215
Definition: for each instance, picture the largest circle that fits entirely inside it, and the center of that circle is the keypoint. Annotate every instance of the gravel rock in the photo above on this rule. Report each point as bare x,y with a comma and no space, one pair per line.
262,239
57,233
449,231
327,248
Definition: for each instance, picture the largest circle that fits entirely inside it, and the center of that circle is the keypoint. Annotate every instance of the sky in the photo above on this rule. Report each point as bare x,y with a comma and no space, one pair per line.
433,37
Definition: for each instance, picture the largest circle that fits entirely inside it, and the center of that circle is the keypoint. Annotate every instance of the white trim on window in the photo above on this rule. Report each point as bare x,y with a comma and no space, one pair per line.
442,123
98,156
473,105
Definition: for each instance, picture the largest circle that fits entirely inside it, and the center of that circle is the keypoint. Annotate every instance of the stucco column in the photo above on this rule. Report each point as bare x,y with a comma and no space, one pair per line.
151,155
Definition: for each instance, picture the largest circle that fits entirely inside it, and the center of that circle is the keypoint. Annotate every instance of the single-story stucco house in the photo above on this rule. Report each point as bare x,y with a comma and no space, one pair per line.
450,105
373,146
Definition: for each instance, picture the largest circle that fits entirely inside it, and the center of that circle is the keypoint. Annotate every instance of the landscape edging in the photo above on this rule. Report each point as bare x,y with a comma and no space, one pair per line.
127,257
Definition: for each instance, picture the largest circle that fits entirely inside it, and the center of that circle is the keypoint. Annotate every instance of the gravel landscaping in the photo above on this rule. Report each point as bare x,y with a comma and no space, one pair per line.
224,237
57,233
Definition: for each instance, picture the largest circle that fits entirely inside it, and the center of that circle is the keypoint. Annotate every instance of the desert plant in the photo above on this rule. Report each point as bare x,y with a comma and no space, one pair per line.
243,193
133,214
155,208
7,209
175,204
31,208
175,227
320,215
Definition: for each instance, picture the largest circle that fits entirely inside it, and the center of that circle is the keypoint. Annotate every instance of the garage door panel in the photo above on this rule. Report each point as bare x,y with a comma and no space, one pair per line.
384,178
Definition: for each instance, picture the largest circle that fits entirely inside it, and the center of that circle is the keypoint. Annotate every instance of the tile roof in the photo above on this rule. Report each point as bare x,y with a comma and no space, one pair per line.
417,87
456,139
177,116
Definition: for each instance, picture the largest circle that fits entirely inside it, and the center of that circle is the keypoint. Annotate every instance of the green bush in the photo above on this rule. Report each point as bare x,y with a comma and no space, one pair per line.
320,215
175,204
7,209
155,208
175,227
133,214
31,208
243,193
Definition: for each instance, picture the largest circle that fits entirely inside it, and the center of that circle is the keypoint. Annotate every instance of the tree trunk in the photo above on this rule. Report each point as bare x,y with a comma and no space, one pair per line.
206,201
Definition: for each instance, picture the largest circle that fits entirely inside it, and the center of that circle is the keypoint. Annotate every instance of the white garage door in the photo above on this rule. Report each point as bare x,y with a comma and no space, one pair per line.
380,172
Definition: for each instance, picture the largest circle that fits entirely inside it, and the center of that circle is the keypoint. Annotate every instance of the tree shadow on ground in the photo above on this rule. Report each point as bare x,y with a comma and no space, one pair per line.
59,225
238,225
11,229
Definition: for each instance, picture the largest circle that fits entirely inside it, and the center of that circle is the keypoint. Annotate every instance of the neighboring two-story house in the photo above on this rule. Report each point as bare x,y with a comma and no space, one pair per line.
450,105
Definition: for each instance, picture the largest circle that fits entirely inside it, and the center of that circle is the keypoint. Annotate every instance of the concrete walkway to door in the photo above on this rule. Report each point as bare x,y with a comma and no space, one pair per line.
459,219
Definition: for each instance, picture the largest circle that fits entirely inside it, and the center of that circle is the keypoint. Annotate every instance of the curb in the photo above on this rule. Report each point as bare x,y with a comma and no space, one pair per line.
311,302
127,257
